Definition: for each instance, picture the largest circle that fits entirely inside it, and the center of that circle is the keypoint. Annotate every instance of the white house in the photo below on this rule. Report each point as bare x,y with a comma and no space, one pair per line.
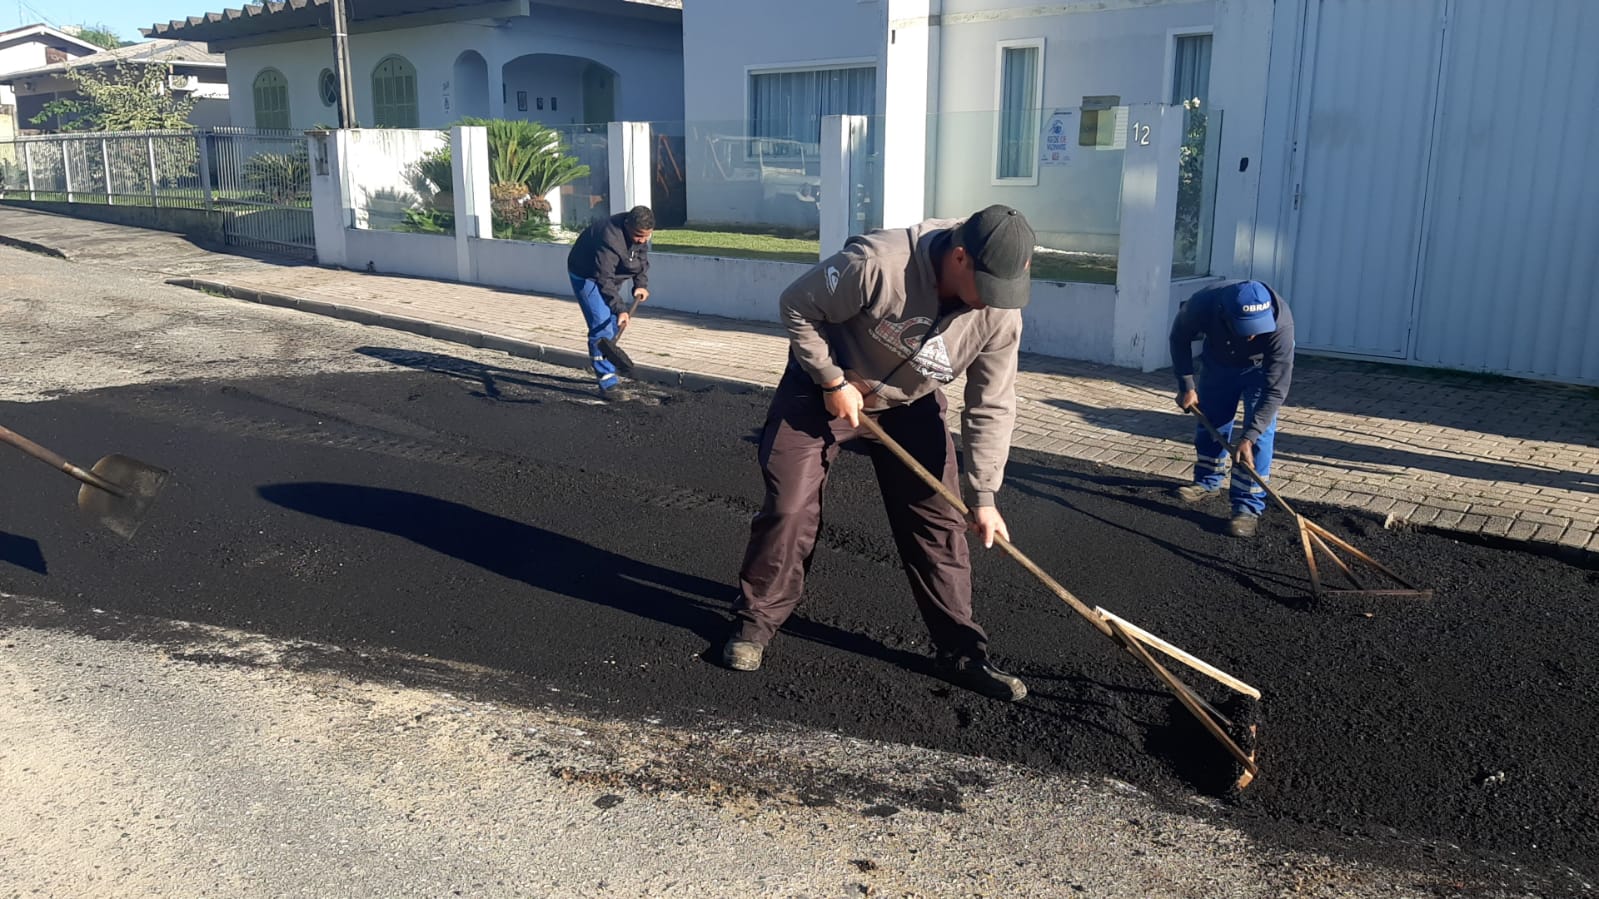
1415,177
427,63
31,47
936,96
193,72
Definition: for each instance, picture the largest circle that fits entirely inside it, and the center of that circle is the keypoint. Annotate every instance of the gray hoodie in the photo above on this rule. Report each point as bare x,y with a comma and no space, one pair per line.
872,309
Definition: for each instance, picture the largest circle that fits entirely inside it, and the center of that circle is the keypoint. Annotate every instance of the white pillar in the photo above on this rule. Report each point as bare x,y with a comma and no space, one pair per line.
909,94
469,169
331,211
1148,220
844,147
66,166
628,144
155,197
496,67
105,166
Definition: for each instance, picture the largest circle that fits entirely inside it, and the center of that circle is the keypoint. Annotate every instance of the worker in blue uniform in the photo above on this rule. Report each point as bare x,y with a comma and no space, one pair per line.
608,253
1249,356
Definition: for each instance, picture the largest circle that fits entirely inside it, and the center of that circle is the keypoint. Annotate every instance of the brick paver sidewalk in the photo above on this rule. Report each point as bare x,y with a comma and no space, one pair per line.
1498,457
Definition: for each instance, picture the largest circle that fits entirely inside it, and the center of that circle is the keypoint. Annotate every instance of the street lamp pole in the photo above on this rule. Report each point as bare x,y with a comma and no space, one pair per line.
341,61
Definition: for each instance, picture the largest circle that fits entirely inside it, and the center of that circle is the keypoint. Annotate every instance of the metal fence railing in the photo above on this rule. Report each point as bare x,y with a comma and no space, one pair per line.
262,179
259,180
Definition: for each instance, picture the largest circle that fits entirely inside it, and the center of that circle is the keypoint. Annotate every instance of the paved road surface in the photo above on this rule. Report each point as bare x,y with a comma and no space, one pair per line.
416,619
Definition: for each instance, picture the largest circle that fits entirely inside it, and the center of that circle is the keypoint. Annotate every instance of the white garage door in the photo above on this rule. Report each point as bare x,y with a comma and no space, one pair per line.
1447,197
1511,258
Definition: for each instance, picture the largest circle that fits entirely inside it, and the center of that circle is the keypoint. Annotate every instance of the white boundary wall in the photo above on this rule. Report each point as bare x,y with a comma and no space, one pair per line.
1123,324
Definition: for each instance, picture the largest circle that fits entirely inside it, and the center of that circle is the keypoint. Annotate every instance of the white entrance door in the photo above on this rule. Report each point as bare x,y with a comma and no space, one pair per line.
1364,131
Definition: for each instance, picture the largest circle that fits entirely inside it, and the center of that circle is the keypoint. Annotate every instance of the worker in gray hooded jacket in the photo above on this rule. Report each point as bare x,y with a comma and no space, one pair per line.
878,329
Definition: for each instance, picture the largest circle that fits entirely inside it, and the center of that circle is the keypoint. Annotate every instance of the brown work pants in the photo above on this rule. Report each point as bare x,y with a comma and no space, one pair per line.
797,448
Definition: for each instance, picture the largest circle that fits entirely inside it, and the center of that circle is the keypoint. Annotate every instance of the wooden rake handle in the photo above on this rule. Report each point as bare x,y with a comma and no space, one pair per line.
1178,653
1309,530
1249,469
921,471
1189,700
1102,620
1109,626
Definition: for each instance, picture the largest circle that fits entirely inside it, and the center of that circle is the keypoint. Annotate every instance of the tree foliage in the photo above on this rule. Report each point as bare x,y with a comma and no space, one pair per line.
100,36
123,98
1191,186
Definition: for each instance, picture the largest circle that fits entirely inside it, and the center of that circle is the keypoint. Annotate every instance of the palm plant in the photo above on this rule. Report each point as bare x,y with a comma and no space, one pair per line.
527,160
529,154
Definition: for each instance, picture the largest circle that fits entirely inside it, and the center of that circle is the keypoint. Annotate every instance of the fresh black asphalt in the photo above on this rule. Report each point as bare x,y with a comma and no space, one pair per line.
485,516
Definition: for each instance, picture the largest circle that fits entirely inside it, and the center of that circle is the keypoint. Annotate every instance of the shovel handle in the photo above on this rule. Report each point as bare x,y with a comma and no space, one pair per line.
56,461
623,327
921,471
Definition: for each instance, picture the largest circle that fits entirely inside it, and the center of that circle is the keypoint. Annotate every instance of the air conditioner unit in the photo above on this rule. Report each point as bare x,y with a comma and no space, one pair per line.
182,82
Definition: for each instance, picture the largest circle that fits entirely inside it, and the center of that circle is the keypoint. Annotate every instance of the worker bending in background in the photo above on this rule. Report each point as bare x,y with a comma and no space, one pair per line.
1249,356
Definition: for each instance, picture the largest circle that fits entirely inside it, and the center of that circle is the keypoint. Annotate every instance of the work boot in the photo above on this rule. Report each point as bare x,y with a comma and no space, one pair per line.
981,676
1194,494
1244,524
742,655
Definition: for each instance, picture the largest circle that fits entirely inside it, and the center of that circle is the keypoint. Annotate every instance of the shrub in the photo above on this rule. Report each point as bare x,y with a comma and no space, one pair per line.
280,178
530,154
526,161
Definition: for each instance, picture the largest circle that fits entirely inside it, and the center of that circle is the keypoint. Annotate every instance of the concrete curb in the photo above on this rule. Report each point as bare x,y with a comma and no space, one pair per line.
527,349
1579,556
31,247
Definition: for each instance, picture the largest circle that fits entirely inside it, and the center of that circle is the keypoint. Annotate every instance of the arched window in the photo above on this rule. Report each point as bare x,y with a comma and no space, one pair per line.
394,93
271,92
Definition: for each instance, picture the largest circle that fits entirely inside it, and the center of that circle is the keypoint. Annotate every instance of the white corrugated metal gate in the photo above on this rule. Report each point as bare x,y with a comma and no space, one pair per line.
1445,190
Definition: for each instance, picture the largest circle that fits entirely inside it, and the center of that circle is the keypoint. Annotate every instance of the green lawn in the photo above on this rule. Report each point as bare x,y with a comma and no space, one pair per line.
700,242
1081,268
736,244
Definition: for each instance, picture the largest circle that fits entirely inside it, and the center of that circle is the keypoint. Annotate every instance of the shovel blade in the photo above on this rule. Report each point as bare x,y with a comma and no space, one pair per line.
140,483
616,355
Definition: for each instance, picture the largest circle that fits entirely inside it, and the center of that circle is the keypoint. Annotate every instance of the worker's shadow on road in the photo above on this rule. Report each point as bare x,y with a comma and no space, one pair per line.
1055,486
554,563
1365,452
22,552
505,385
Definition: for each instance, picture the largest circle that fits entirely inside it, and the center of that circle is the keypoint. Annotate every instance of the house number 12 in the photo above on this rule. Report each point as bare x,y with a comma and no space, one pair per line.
1141,134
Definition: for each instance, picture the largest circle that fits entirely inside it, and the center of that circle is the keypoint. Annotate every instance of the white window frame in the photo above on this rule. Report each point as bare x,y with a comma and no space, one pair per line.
1172,34
999,108
820,65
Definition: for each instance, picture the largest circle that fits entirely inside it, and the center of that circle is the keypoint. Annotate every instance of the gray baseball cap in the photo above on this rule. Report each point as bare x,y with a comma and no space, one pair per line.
1001,245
